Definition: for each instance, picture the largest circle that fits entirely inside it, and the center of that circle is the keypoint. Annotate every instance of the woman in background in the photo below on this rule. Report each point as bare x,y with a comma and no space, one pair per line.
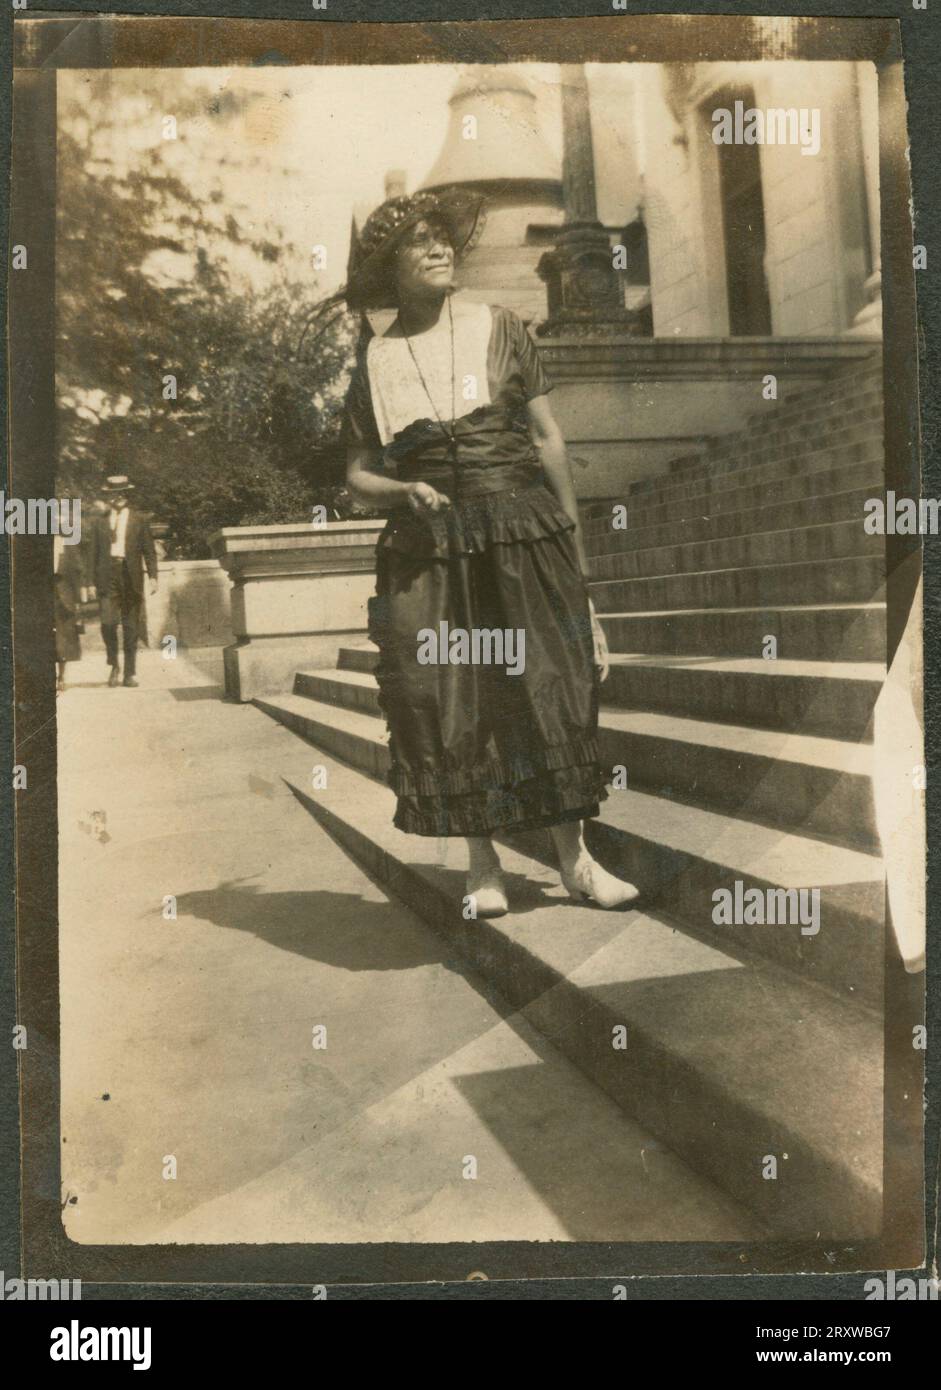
69,595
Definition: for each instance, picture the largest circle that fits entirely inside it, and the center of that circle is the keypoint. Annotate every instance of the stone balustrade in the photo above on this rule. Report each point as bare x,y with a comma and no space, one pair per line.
298,593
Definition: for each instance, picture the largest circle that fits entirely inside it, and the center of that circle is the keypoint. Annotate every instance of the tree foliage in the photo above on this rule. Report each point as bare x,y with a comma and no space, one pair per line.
252,433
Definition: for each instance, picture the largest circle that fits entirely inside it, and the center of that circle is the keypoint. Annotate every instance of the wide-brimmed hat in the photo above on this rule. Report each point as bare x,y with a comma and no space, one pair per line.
369,283
118,482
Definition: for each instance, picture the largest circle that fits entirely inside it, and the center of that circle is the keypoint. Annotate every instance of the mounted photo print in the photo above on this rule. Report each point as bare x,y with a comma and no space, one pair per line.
466,521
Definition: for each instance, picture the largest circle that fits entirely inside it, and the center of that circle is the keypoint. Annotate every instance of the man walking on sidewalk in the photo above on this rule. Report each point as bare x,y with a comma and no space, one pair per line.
123,547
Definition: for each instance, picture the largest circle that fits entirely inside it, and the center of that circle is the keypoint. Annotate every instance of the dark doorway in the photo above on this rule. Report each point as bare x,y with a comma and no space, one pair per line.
743,220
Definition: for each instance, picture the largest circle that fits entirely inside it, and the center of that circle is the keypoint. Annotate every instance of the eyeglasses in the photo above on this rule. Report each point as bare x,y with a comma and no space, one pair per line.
423,238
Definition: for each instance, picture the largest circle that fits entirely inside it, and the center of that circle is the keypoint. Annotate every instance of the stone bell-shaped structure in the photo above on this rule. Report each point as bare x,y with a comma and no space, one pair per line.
494,146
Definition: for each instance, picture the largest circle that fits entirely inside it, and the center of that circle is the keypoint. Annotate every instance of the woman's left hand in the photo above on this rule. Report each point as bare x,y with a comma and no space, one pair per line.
602,659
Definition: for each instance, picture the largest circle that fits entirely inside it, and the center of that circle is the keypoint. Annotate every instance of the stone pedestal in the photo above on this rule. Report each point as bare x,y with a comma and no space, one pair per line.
582,286
191,604
299,592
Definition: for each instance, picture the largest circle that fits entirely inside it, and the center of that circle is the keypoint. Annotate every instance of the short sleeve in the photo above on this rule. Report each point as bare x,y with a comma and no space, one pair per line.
359,421
535,380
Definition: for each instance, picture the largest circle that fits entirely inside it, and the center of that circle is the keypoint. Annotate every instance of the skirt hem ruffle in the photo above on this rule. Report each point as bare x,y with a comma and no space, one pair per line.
496,774
416,824
571,793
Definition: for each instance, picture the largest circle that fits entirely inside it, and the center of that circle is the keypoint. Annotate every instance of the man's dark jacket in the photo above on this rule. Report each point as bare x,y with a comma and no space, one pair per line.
139,552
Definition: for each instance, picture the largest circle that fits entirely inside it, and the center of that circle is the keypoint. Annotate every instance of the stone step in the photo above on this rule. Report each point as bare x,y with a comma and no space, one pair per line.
357,737
801,438
364,656
762,464
777,518
820,785
795,488
688,853
344,687
815,453
857,393
812,418
832,698
838,637
810,632
828,541
859,396
669,845
853,579
769,436
726,1058
788,427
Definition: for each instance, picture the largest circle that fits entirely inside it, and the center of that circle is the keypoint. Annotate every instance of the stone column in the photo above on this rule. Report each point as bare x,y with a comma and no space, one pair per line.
869,318
583,288
578,158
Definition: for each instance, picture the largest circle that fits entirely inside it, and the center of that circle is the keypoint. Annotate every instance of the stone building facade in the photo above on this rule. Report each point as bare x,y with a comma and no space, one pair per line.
807,224
741,240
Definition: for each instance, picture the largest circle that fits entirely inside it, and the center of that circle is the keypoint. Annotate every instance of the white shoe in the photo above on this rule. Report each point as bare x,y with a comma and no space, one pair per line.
486,887
588,881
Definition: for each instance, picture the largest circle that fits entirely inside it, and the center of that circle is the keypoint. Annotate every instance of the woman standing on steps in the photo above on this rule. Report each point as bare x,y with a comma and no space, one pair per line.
448,425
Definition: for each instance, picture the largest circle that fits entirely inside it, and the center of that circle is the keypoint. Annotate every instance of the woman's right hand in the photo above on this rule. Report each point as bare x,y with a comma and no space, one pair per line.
422,498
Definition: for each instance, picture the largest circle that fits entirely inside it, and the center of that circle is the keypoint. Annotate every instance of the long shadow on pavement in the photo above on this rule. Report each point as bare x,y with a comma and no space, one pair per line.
338,929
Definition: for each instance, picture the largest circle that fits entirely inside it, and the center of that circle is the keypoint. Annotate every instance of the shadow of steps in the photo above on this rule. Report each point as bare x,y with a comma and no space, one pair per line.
691,854
725,1057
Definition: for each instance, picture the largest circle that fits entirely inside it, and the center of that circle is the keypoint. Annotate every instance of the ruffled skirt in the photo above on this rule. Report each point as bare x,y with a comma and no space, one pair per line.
480,745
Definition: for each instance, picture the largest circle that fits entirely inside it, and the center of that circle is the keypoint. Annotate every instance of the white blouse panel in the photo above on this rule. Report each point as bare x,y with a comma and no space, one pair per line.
400,396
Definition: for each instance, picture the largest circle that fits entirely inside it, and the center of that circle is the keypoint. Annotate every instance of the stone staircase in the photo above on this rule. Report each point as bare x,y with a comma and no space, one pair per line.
741,1044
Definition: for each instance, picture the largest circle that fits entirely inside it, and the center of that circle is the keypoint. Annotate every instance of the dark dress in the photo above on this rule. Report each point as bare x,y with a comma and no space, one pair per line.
474,748
69,578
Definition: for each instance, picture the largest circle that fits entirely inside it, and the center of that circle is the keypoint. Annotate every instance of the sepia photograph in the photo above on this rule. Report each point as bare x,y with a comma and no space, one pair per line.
477,617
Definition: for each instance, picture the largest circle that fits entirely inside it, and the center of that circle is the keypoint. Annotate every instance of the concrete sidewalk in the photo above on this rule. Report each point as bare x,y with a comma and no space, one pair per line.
191,1038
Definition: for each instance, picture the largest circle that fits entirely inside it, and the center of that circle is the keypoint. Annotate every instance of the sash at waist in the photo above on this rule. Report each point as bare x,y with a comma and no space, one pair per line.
494,485
470,480
474,522
491,439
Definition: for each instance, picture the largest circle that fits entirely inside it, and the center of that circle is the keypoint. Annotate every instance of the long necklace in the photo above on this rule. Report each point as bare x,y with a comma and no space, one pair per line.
449,434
